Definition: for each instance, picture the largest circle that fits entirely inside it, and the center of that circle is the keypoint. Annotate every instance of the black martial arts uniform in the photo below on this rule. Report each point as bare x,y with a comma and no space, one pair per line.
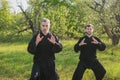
88,58
44,56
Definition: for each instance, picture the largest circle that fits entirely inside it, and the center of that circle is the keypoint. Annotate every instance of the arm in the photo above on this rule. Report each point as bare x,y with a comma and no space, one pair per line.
32,45
80,44
100,46
77,46
57,46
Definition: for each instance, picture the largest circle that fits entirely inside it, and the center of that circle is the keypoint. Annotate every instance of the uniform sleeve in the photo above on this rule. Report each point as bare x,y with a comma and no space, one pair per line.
57,47
77,47
32,46
100,46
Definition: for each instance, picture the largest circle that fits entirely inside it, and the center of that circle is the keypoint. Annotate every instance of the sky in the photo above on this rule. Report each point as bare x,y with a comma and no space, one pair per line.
14,5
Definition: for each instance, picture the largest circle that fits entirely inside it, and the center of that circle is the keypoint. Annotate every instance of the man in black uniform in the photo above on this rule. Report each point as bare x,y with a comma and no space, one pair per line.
43,46
87,46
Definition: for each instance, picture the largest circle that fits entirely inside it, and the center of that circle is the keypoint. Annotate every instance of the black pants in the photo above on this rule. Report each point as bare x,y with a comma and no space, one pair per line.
97,68
44,71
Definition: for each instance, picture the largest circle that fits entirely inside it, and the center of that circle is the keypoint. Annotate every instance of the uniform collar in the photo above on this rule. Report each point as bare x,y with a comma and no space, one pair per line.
43,34
88,36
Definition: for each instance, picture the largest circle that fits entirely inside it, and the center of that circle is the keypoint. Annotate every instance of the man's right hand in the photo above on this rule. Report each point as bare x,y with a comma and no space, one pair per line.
38,39
82,42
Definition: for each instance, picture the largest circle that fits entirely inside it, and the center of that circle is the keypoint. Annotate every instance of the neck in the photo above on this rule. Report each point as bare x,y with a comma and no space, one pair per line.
45,33
89,35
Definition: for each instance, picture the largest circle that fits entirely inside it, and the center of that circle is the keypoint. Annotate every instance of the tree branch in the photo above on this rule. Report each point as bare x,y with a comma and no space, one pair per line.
23,30
27,18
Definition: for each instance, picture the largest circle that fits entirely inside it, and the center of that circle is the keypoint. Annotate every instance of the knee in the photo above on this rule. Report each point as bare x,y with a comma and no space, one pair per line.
101,75
57,77
104,72
34,77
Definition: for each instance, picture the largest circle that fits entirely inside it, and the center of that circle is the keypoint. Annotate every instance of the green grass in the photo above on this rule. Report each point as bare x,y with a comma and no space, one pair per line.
16,62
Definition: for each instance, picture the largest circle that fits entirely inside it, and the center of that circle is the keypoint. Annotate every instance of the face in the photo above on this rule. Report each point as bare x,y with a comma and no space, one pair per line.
89,30
45,26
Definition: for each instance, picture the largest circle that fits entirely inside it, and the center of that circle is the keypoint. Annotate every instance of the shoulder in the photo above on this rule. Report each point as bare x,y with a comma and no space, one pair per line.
53,34
81,38
56,37
35,35
97,38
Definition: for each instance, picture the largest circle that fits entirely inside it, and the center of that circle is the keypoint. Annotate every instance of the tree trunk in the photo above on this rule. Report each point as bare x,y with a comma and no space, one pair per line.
99,8
115,40
32,24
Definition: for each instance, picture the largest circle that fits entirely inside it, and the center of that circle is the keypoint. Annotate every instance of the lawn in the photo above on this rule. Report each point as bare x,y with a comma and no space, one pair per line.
16,62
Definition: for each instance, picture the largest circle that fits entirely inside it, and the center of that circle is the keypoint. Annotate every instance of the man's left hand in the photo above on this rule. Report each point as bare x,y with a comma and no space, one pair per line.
52,39
94,41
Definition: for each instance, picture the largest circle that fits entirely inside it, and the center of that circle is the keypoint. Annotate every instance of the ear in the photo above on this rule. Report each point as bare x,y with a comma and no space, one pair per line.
93,29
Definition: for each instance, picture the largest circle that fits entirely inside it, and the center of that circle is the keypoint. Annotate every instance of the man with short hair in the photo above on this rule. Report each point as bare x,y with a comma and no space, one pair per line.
88,45
43,46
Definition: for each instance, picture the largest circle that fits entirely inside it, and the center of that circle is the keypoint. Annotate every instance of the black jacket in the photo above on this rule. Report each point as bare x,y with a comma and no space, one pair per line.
88,51
45,50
